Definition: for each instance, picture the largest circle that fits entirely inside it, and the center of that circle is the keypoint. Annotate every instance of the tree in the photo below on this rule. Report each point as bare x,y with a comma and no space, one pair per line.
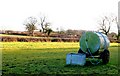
44,24
105,24
46,27
49,31
30,25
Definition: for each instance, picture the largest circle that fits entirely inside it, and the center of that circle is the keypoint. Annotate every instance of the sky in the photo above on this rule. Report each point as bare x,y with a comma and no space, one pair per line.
62,14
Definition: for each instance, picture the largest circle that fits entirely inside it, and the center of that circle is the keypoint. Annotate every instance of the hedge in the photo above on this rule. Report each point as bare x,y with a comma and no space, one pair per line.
43,39
22,39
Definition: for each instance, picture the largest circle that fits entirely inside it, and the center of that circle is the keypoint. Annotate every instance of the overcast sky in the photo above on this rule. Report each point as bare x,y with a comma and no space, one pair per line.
62,14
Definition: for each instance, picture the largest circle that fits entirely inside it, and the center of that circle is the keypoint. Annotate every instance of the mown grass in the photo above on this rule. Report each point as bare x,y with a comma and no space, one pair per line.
49,58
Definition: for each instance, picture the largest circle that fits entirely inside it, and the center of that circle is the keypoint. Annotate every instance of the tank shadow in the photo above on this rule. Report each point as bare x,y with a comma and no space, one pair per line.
87,64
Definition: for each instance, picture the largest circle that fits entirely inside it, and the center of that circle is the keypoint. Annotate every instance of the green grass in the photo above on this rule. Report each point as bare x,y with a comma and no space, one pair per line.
49,58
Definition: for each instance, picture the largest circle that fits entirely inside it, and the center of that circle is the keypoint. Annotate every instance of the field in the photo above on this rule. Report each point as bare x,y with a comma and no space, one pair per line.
49,58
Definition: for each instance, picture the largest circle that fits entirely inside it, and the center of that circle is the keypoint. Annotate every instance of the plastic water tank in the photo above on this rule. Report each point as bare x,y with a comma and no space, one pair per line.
76,59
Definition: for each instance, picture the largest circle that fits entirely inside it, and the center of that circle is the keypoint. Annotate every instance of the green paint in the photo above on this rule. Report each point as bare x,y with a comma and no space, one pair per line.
92,40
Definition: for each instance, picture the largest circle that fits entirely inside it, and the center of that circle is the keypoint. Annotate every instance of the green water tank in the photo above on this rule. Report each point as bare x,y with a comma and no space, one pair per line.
94,41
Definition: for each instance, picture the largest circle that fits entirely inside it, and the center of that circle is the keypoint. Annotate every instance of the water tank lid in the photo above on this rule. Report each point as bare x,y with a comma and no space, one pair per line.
92,40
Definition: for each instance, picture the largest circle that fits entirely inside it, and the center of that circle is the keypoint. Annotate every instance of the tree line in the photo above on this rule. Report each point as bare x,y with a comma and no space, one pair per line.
104,23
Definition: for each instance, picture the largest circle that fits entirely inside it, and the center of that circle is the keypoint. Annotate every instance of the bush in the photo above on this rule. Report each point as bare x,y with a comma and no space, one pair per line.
9,39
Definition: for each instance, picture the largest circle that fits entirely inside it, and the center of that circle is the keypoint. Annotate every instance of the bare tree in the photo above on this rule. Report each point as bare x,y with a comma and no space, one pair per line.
45,25
30,25
43,21
105,24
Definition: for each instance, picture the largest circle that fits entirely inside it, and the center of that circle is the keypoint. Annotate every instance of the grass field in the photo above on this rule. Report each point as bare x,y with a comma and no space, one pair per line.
49,58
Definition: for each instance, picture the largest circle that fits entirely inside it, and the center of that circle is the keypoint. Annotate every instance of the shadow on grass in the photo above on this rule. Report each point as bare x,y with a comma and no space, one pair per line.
87,64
